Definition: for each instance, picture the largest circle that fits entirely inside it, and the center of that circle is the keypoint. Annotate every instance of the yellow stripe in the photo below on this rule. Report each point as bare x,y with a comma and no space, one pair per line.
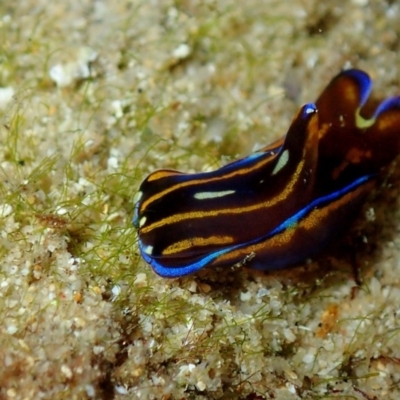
310,222
160,174
199,214
197,241
280,240
274,146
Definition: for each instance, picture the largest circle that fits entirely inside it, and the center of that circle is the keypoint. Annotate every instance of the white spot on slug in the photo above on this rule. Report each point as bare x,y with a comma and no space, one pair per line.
142,221
309,110
148,250
137,197
283,160
212,195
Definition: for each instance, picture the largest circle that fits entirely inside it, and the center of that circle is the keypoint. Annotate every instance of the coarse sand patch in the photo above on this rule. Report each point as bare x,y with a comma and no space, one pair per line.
94,95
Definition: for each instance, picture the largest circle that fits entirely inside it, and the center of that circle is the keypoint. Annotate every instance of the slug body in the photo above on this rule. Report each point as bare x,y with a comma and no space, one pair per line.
281,204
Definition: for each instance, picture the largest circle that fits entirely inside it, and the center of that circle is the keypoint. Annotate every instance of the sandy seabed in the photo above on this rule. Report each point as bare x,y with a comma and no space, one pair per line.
94,95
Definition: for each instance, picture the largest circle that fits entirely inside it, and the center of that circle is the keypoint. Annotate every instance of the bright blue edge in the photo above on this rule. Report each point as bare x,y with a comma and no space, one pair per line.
365,84
388,104
363,80
171,272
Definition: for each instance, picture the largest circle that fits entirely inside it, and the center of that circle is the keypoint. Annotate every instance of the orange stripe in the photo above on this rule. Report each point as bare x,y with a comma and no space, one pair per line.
197,241
199,214
310,222
241,171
